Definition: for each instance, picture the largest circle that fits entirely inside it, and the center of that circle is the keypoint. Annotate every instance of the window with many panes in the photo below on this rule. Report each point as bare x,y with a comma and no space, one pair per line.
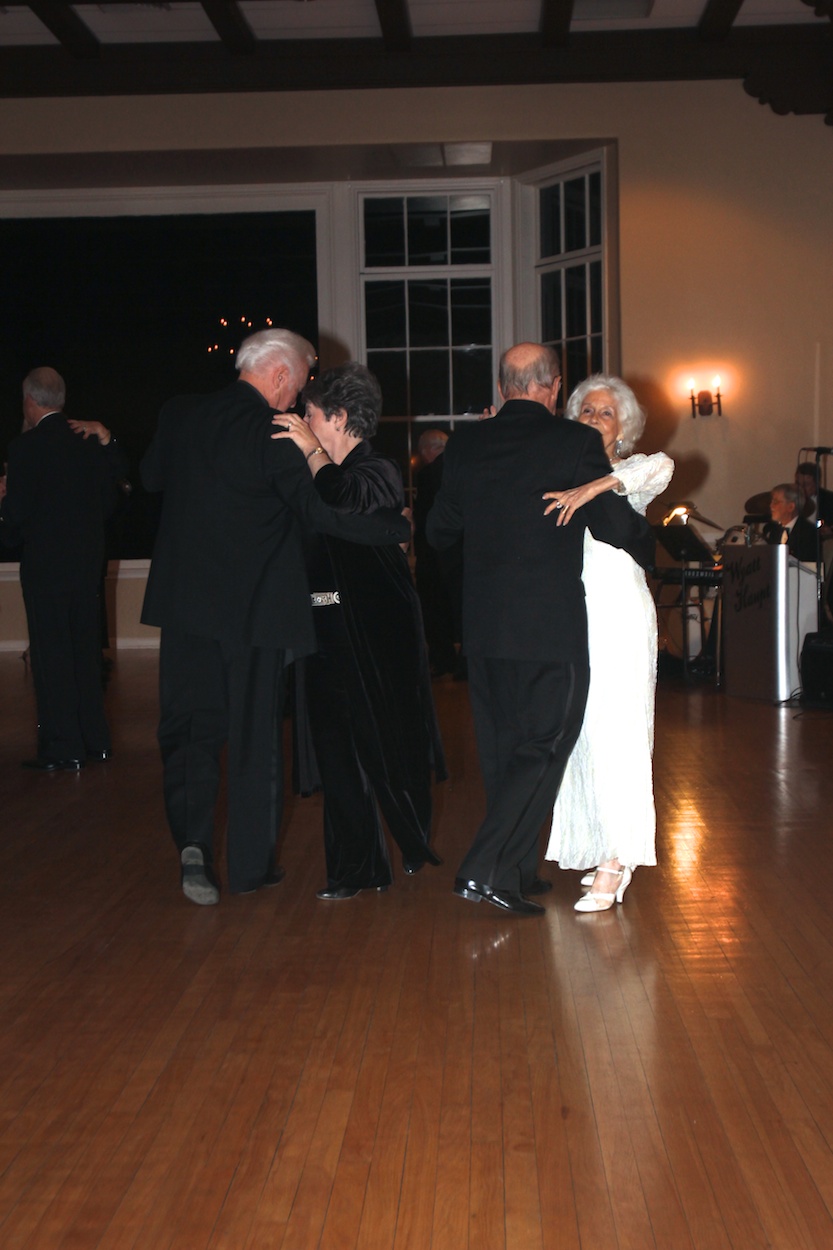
569,273
427,293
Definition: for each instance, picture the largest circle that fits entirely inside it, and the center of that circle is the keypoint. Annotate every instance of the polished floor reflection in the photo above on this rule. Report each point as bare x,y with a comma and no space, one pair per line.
409,1070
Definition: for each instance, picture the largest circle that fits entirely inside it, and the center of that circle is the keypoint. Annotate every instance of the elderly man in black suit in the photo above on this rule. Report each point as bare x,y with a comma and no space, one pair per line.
228,587
59,491
524,621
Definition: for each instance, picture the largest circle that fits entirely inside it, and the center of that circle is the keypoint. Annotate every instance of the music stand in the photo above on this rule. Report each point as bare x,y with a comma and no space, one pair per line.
684,544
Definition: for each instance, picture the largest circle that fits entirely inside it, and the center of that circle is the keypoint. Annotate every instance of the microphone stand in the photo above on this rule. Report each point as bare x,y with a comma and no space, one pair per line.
820,618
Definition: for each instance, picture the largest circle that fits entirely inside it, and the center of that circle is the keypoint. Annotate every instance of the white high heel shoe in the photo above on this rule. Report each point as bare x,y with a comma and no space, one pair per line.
588,878
603,902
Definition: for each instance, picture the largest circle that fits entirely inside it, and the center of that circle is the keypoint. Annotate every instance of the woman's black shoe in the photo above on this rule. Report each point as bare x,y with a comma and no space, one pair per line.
336,893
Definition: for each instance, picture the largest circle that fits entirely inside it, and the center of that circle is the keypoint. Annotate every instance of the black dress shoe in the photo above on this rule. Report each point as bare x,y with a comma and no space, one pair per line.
54,766
538,886
198,881
505,900
100,757
411,865
338,892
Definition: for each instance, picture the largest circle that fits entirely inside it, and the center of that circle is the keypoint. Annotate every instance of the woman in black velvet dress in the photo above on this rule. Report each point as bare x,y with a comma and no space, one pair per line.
367,691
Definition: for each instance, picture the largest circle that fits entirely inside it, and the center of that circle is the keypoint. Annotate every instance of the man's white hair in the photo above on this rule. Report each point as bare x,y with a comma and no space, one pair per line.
271,347
45,387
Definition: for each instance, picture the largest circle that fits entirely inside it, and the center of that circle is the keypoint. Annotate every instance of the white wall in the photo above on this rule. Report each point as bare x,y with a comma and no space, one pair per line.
725,218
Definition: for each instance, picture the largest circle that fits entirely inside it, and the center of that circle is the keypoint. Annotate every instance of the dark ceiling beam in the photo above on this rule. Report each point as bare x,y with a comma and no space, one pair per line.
717,18
227,19
65,24
556,16
395,22
788,67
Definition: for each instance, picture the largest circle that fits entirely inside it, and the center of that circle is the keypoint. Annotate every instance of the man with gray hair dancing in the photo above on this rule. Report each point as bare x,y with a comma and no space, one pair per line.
228,588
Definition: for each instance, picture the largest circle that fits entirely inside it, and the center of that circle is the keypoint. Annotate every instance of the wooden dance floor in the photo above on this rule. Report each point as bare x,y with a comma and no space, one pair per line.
409,1071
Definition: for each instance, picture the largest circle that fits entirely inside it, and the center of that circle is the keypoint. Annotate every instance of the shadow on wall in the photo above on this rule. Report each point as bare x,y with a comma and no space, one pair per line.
691,469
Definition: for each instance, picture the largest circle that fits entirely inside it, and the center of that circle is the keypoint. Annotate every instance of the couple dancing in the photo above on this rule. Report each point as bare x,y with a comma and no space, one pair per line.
526,630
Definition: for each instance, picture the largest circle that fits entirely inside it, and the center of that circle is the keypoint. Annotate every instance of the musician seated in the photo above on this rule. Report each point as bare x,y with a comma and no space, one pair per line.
787,525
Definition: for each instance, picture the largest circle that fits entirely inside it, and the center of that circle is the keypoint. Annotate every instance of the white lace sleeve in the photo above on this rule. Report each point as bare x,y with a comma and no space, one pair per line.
643,477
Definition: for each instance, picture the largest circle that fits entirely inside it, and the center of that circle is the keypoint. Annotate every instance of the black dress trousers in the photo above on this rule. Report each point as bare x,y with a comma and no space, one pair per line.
212,693
65,652
527,718
352,768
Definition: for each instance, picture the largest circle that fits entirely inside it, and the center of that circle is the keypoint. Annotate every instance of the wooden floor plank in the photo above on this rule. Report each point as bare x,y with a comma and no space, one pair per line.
407,1071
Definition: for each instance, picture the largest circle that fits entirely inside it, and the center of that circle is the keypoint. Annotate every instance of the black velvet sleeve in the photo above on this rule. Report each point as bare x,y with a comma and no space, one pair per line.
363,481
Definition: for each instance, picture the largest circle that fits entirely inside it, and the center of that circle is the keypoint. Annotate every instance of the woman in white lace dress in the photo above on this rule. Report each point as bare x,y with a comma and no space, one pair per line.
604,817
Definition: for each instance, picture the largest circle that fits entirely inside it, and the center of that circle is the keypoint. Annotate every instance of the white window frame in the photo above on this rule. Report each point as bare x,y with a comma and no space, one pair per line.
526,204
350,274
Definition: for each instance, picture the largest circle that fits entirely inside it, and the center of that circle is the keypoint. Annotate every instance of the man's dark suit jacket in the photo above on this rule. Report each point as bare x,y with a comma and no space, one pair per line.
61,489
802,540
228,562
825,506
523,597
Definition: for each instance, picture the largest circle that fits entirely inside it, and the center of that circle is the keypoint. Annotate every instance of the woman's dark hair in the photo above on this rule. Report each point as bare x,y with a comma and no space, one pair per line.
351,388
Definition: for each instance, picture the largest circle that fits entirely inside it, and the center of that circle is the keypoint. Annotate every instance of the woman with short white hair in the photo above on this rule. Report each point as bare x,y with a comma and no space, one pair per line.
604,817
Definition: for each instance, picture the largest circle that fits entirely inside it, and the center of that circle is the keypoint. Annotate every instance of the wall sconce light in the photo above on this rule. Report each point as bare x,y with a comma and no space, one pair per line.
704,402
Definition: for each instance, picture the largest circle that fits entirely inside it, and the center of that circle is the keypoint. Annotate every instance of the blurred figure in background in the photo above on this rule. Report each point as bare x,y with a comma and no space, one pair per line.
60,490
438,574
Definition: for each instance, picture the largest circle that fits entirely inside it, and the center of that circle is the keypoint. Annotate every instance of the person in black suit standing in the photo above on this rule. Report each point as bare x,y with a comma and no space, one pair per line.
228,588
787,524
59,491
815,502
524,621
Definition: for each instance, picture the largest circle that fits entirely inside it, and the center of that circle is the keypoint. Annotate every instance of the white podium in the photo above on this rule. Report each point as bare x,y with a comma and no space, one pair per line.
769,604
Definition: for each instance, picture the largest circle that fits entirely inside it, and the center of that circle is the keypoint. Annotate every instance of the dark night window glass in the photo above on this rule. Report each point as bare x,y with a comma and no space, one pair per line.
549,206
391,368
428,230
596,354
384,312
145,307
471,311
576,365
551,328
575,283
470,230
428,313
472,379
443,324
594,188
596,297
391,440
575,215
384,232
429,383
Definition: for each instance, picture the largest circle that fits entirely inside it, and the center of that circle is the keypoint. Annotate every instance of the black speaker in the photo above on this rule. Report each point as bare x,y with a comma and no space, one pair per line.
817,669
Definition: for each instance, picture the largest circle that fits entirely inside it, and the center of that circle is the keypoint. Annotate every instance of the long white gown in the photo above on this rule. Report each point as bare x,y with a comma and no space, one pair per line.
605,808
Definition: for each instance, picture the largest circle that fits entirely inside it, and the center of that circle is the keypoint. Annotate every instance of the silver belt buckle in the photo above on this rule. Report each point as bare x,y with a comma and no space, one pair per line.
324,598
